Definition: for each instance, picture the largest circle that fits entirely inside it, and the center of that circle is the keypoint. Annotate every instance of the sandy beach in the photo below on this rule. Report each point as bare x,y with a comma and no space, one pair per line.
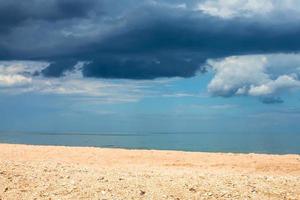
46,172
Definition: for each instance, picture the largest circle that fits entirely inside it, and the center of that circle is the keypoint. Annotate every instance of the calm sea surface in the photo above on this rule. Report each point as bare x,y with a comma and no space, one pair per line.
207,142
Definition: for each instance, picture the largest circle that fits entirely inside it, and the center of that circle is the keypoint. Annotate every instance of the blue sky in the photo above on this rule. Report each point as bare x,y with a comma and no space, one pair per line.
157,66
180,105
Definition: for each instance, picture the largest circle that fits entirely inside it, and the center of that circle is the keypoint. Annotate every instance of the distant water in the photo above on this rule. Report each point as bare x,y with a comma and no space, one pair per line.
205,142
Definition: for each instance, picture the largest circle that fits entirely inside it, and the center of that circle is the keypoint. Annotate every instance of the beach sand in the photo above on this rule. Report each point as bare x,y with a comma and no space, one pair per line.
46,172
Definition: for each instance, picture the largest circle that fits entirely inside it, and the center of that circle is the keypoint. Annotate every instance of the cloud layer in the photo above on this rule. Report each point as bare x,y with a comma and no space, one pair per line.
21,77
143,39
73,46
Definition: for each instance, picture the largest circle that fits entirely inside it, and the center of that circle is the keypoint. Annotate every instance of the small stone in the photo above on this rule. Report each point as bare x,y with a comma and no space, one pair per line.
192,190
142,192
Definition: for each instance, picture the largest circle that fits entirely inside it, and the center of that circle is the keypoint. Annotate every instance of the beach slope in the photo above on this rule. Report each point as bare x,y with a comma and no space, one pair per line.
46,172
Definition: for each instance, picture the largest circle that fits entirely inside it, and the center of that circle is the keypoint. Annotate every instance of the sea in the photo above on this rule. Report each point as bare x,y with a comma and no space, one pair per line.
266,143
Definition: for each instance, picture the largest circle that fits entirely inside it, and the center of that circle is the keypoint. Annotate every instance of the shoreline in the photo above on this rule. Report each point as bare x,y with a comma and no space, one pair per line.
158,150
64,172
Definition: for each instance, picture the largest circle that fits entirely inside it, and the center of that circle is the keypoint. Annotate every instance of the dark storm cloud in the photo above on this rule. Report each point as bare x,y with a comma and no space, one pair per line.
142,67
58,68
271,100
133,39
13,13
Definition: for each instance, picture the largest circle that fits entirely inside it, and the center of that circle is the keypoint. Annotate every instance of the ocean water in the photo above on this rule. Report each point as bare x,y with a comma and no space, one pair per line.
285,143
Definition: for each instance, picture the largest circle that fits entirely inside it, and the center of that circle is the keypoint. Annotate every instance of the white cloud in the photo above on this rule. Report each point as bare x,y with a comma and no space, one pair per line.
14,67
14,73
169,5
249,8
182,95
215,107
255,75
281,83
13,80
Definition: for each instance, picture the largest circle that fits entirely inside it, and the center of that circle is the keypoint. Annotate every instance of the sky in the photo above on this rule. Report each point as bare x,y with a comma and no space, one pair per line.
150,65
